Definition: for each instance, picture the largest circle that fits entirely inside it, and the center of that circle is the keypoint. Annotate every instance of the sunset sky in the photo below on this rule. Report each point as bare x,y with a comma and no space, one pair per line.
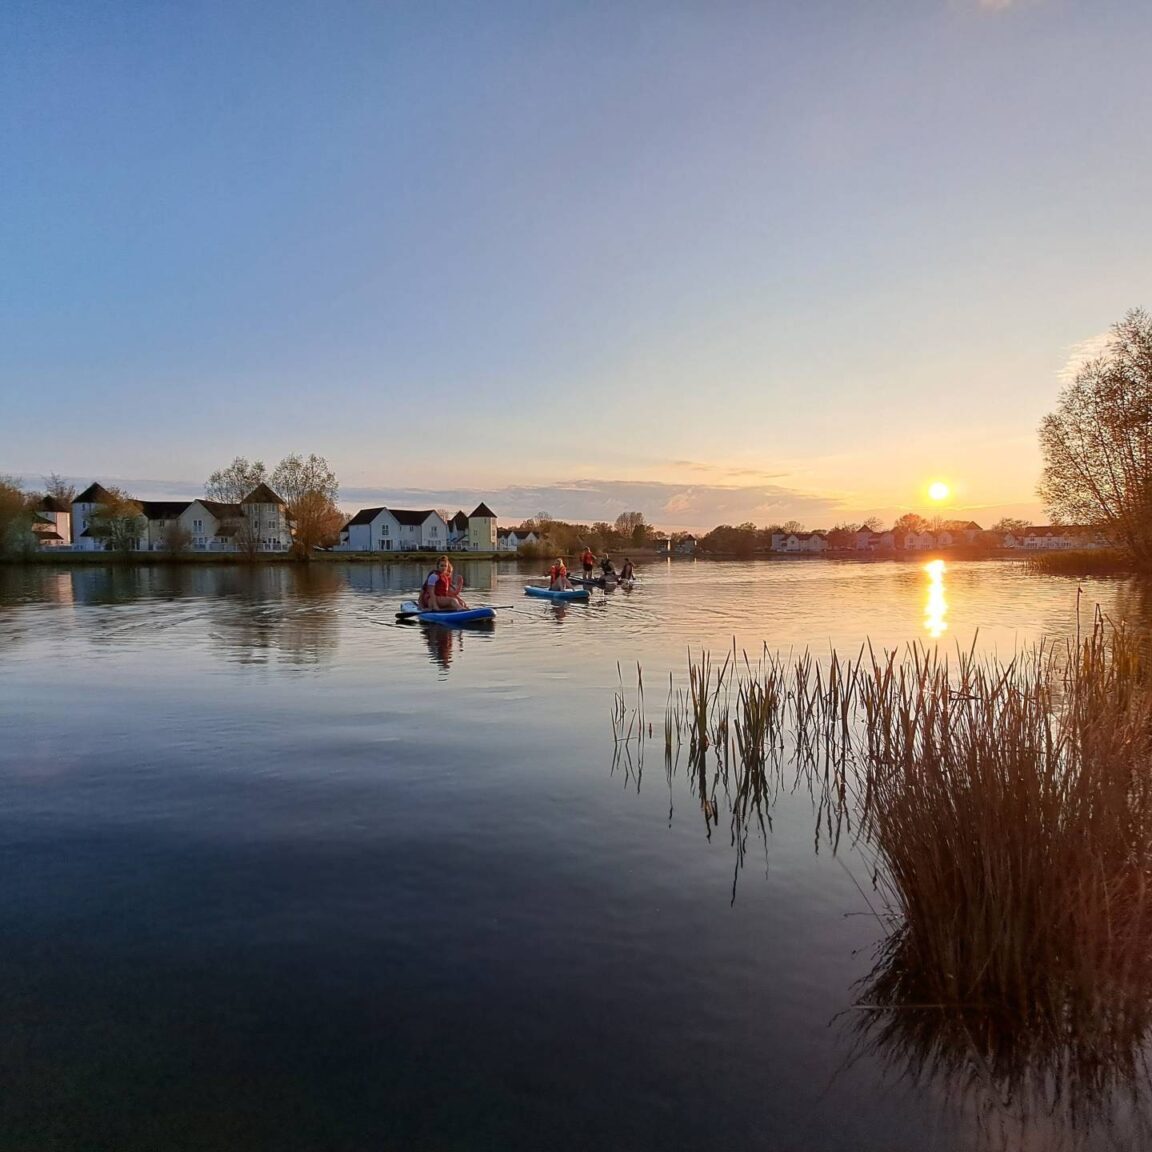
715,262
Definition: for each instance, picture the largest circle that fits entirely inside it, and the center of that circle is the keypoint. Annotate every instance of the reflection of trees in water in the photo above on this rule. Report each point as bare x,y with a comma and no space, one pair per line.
1006,815
282,611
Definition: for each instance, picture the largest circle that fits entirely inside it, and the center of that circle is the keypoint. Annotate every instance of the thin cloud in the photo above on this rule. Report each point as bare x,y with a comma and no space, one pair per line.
1080,354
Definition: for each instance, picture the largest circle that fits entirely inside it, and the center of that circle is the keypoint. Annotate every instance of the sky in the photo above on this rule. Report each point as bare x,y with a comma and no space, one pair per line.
715,262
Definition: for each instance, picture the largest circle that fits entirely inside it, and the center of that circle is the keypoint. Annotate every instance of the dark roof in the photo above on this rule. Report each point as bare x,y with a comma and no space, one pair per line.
93,494
364,516
163,509
50,535
38,519
459,521
405,516
483,510
221,510
225,530
51,504
261,494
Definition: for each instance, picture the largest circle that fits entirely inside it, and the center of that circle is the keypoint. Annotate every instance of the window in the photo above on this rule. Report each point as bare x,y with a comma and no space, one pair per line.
197,525
383,529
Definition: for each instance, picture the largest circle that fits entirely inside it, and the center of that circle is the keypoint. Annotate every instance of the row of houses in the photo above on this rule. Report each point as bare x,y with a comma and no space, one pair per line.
402,530
260,522
969,534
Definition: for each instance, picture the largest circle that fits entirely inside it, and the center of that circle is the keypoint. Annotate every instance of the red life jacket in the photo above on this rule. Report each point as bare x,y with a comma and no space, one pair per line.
443,587
557,572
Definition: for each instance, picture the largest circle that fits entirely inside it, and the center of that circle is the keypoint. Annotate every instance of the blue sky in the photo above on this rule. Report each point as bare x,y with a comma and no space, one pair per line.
713,261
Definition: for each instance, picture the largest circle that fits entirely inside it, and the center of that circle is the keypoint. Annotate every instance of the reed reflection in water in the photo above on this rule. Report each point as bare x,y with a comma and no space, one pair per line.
1005,815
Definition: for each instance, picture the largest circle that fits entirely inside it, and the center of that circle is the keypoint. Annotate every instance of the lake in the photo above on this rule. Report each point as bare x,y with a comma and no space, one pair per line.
281,872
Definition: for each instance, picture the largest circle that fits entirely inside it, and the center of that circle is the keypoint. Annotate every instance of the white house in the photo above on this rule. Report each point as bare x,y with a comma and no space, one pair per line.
266,520
482,529
1054,537
371,530
515,539
160,518
395,530
82,508
458,532
798,542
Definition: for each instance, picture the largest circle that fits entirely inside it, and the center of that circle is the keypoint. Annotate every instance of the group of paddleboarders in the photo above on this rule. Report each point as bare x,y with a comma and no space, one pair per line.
441,589
558,574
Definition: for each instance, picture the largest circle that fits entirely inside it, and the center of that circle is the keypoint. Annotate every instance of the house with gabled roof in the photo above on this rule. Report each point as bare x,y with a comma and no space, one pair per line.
371,530
160,518
458,532
82,508
395,530
266,520
53,523
421,529
482,529
211,525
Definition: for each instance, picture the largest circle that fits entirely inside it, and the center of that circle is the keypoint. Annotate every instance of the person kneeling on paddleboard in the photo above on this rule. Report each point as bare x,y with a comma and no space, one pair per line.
441,591
558,577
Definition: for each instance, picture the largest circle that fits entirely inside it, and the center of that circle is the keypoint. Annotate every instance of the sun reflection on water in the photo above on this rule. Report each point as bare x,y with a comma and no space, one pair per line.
936,609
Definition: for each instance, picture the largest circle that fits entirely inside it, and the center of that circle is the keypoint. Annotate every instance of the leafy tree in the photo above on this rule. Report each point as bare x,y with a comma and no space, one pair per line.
309,489
230,485
15,517
1097,445
118,520
911,522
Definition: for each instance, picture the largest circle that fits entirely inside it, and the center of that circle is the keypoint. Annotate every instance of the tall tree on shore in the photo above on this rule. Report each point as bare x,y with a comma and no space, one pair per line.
230,485
1097,445
309,489
118,520
15,517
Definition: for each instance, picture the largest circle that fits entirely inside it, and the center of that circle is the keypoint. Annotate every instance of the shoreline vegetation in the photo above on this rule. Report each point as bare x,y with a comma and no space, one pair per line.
1003,812
1100,562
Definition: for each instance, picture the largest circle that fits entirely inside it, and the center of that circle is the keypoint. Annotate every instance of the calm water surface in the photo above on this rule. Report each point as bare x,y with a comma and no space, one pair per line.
282,873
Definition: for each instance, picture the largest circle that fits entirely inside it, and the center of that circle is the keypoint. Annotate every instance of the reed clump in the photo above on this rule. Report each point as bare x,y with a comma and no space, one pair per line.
1010,812
1082,562
1005,810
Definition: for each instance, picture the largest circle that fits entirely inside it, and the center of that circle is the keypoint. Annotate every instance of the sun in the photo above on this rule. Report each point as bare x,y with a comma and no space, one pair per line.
938,490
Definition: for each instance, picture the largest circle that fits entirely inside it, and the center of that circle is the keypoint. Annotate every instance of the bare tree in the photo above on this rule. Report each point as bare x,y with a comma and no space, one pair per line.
177,538
230,485
59,489
1097,445
1010,524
